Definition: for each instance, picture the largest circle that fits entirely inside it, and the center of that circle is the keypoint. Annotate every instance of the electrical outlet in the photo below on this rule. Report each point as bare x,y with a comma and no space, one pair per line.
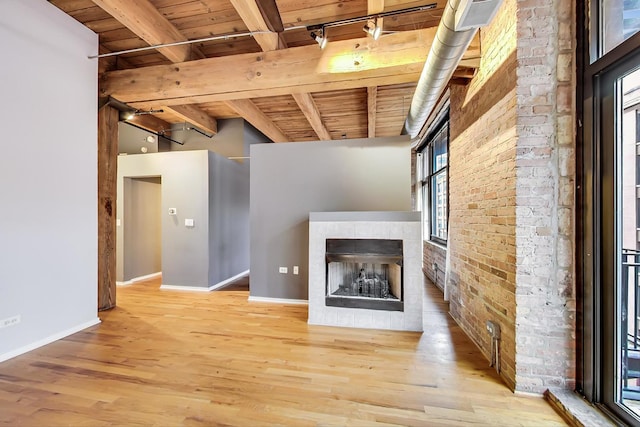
10,321
493,329
283,270
295,269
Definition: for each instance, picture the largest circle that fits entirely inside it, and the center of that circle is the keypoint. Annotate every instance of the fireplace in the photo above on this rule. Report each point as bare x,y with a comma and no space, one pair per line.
364,273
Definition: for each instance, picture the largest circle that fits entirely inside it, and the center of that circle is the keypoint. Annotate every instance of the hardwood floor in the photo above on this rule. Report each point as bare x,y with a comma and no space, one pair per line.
170,358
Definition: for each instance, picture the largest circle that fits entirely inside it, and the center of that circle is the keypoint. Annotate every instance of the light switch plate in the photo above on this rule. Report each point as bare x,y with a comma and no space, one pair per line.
188,222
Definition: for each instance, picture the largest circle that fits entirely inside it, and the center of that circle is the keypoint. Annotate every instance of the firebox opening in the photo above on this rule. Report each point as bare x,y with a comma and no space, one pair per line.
364,273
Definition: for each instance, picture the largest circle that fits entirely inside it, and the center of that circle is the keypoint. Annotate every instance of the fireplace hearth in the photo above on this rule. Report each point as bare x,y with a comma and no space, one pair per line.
339,245
364,273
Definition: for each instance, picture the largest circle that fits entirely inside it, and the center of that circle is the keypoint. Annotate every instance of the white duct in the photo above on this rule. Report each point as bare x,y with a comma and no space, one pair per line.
446,51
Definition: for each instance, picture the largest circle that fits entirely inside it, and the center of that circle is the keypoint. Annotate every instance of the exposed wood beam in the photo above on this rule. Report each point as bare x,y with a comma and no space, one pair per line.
375,6
195,116
252,14
287,71
310,110
145,21
372,106
150,123
262,16
247,109
107,180
271,14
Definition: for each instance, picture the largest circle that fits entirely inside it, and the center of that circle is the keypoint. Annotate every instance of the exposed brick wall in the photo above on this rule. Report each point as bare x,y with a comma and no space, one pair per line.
482,238
434,254
511,195
545,162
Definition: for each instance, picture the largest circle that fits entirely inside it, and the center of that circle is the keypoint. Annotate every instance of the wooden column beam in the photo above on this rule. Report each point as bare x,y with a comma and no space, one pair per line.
372,106
247,109
195,116
310,110
107,183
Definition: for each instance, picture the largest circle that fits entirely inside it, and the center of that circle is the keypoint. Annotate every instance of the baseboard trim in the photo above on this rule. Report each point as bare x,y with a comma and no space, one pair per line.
183,288
217,286
48,340
139,279
279,300
229,281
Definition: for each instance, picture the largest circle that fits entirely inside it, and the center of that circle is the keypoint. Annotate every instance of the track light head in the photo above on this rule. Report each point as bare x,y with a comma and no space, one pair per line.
373,29
320,39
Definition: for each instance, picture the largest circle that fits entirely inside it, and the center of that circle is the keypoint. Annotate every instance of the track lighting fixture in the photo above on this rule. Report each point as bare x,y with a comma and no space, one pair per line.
319,38
373,28
373,25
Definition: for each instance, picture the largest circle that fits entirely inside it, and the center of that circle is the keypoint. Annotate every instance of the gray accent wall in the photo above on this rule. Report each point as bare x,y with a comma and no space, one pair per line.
194,183
232,140
142,239
229,218
48,176
288,181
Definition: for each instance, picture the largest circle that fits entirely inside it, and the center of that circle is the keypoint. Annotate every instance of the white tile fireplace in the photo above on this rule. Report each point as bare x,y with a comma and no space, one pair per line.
365,270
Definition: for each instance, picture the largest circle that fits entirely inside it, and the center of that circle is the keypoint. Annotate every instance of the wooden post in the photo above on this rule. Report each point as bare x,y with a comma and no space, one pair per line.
107,182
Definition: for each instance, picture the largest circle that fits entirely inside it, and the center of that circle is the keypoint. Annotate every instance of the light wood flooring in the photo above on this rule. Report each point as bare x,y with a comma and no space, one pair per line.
171,358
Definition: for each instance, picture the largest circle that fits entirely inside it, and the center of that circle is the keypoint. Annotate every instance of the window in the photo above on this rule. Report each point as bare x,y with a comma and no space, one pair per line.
613,22
433,174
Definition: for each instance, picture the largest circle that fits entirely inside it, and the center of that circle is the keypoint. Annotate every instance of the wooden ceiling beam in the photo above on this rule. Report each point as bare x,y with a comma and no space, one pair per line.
263,18
195,116
145,21
375,6
253,15
393,59
372,107
247,109
310,110
150,123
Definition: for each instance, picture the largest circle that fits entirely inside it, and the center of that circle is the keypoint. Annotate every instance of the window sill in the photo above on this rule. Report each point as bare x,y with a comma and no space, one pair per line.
576,410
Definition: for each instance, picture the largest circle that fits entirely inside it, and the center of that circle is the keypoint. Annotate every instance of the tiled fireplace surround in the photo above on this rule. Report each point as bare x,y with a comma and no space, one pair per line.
366,225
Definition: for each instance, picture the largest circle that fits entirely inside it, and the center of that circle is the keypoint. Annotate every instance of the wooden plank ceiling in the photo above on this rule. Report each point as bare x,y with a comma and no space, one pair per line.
277,77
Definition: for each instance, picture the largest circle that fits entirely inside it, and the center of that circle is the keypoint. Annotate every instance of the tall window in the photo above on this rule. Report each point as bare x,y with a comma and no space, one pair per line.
434,159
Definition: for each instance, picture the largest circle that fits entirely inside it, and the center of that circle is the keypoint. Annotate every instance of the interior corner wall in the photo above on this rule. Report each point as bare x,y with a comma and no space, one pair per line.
48,176
290,180
228,219
482,180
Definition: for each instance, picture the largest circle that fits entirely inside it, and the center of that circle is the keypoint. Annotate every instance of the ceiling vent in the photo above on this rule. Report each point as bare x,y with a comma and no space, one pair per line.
475,13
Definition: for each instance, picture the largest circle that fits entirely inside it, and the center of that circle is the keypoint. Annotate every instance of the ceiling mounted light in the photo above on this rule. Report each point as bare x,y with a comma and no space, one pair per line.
319,38
373,29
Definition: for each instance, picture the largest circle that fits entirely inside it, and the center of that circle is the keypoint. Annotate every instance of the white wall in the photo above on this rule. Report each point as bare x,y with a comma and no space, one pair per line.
48,173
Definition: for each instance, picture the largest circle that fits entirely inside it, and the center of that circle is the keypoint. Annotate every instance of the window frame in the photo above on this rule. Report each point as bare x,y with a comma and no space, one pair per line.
428,176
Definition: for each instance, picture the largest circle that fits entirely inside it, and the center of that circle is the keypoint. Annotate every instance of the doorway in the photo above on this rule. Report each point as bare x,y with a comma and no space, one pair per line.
142,228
